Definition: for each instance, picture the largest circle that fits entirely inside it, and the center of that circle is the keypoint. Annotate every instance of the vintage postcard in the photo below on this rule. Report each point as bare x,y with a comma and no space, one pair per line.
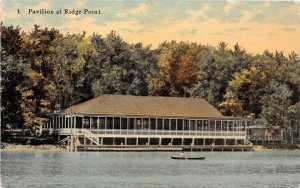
150,93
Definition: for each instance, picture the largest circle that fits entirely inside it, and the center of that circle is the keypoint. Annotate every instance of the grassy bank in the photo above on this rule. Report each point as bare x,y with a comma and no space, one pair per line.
282,146
276,147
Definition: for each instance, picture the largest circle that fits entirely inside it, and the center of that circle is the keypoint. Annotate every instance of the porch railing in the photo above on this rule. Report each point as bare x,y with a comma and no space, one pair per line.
145,132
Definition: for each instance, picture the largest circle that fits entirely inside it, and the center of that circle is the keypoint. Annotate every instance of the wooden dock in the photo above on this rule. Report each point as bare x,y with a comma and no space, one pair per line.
164,148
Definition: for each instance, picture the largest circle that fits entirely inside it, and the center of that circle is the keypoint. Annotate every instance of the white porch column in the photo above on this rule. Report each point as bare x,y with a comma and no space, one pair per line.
66,119
69,122
82,122
127,128
221,127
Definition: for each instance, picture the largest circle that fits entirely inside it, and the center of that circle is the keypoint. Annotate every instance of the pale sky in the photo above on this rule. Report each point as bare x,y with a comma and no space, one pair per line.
255,25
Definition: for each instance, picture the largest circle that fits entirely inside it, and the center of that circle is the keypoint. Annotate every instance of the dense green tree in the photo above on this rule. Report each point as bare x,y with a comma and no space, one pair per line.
245,91
145,66
114,69
43,71
121,68
74,54
12,74
276,103
38,89
217,69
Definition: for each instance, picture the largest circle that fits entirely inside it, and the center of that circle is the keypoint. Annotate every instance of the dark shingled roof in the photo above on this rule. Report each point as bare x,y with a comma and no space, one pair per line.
127,105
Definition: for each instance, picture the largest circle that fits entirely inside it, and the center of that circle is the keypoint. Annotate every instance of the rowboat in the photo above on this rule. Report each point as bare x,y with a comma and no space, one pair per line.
188,157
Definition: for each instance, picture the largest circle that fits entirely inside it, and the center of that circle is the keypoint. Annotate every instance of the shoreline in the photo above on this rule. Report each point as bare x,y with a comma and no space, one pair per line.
45,147
52,147
258,148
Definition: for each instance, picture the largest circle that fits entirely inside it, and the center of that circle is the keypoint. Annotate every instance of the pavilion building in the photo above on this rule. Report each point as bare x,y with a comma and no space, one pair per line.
124,120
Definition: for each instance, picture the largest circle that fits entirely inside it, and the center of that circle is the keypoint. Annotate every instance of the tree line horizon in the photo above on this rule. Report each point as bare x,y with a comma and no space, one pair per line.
45,71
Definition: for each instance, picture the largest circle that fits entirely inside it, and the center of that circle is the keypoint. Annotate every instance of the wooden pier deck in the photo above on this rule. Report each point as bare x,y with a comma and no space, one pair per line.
165,148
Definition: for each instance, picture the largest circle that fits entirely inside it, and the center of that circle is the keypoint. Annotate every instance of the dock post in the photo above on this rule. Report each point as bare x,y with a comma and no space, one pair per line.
71,144
68,144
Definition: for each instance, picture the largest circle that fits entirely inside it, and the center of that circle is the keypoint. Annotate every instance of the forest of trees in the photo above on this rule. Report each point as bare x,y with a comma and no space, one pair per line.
44,71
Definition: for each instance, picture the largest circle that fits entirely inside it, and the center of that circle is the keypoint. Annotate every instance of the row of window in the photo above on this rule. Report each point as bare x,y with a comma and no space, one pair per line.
145,123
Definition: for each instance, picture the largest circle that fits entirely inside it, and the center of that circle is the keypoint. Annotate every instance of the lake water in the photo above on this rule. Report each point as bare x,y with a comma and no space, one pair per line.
146,169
